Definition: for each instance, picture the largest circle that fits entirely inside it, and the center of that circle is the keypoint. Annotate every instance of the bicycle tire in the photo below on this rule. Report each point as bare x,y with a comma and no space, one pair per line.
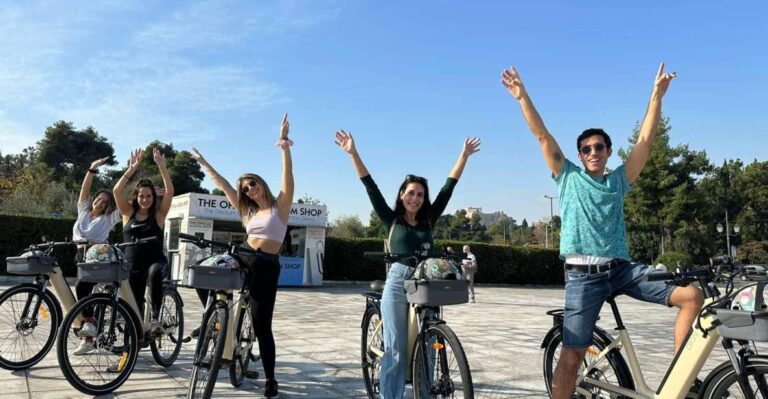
172,320
440,381
10,335
214,330
725,384
127,348
371,365
240,360
616,361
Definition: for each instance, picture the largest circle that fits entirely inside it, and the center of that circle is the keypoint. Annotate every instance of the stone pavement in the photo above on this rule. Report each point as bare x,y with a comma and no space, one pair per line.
317,331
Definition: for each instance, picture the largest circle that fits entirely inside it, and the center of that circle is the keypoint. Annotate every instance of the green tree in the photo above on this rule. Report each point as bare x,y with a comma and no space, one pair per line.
376,228
497,230
186,174
348,226
665,200
69,152
217,191
442,228
753,185
307,199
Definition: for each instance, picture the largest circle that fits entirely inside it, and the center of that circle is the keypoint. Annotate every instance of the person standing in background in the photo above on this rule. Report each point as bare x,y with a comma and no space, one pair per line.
469,267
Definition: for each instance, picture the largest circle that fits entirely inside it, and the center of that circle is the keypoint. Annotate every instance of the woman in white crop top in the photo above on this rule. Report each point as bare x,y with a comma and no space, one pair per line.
95,219
265,218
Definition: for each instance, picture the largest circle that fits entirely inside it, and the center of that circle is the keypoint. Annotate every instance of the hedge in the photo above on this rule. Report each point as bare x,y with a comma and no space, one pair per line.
497,264
18,232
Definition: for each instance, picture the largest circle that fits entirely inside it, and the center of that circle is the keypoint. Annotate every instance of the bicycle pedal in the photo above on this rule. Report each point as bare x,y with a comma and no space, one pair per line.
251,374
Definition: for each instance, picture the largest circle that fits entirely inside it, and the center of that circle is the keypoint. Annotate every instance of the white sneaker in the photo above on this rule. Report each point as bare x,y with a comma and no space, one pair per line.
88,330
85,348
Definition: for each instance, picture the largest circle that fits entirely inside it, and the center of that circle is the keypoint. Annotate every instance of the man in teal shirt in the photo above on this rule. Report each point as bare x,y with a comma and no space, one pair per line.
593,241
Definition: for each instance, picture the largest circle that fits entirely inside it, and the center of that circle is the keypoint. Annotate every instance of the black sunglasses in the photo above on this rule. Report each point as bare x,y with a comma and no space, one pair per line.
247,186
587,149
418,179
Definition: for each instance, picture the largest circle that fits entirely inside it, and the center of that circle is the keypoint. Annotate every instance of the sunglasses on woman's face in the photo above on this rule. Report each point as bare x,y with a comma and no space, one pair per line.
587,149
247,186
415,178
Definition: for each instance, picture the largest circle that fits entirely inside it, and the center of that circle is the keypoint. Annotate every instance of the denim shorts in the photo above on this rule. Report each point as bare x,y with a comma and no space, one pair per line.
586,293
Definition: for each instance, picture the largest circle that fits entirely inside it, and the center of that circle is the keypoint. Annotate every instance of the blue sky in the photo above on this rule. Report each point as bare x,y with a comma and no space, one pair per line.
410,79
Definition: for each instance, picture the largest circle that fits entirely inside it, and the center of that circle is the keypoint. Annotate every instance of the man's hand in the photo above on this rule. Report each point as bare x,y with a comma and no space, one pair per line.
511,80
661,84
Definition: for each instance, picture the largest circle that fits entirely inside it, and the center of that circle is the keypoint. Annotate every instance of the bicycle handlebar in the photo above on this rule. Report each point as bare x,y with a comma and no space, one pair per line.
660,276
204,243
56,244
390,257
136,241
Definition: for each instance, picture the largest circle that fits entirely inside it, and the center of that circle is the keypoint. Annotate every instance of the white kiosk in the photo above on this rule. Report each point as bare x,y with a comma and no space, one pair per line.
214,218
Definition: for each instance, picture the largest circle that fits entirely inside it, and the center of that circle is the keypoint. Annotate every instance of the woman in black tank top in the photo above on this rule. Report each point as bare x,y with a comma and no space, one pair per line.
144,217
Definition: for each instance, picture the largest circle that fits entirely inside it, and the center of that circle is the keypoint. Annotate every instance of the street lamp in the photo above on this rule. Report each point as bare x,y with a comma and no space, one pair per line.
727,232
551,215
504,218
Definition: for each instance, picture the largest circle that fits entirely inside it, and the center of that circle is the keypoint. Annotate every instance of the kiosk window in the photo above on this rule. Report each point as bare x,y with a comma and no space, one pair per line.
173,242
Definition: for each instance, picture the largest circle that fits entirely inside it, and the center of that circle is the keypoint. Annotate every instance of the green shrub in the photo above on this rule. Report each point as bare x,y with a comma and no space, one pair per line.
497,264
755,252
18,232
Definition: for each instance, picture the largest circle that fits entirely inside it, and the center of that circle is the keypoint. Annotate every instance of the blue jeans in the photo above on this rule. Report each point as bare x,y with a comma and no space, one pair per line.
394,312
586,293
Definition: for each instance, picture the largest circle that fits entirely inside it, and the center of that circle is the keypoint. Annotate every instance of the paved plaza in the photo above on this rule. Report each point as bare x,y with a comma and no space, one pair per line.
317,331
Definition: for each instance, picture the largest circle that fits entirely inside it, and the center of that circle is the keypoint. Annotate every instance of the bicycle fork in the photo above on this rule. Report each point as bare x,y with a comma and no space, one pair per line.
739,361
28,318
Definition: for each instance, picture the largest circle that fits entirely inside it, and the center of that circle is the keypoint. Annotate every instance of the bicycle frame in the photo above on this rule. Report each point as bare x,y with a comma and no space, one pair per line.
235,307
681,373
61,289
415,324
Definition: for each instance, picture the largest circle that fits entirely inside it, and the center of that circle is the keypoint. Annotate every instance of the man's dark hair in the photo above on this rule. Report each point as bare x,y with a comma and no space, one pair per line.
593,132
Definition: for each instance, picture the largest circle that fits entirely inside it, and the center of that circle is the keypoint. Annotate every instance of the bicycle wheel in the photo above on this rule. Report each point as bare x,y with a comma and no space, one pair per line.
24,340
372,337
617,374
440,368
726,385
245,340
105,364
210,347
166,348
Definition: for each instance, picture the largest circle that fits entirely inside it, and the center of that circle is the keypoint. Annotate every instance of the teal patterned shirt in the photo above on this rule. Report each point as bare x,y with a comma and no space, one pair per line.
592,212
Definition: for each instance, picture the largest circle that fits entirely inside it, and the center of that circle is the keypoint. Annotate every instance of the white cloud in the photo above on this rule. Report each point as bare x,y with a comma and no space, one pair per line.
135,73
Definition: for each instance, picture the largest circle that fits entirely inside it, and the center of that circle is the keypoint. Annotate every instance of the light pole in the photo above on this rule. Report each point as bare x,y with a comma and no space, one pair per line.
551,215
736,229
504,218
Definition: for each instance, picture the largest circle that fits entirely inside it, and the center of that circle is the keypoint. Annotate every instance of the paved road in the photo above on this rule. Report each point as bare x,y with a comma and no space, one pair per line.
318,331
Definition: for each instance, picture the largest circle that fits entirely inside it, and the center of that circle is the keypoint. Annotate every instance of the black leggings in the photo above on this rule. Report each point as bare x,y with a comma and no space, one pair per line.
264,271
151,276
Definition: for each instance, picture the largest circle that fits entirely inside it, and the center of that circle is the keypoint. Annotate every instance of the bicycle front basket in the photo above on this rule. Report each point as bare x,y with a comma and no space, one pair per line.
104,263
437,292
214,278
32,262
739,324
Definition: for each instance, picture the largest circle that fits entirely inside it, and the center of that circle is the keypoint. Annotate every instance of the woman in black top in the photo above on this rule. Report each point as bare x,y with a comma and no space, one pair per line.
409,226
144,217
